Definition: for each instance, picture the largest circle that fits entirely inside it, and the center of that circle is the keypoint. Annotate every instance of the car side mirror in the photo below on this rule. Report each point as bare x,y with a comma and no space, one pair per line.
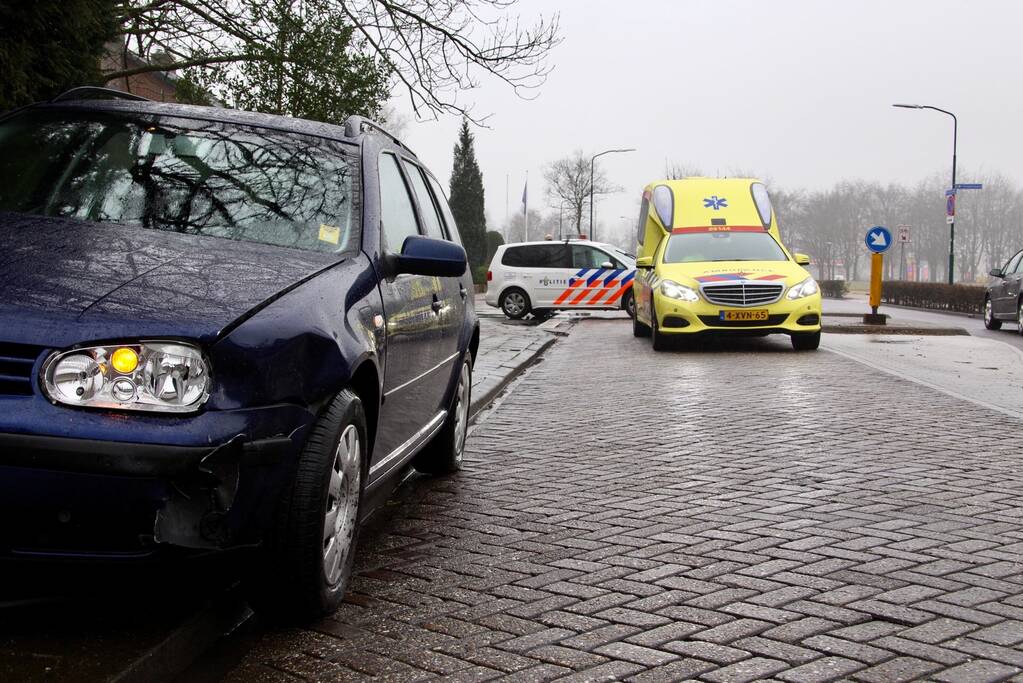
802,259
996,272
429,256
645,262
607,265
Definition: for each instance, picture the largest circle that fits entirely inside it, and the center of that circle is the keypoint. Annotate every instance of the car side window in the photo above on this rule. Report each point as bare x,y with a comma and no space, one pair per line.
553,256
427,207
397,215
1014,265
514,257
614,260
588,257
537,256
445,210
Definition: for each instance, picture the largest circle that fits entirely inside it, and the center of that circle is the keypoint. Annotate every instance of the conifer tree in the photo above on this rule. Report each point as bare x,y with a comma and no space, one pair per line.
467,198
49,47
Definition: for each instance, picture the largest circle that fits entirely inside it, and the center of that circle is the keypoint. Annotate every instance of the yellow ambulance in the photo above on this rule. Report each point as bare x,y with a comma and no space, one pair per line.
710,261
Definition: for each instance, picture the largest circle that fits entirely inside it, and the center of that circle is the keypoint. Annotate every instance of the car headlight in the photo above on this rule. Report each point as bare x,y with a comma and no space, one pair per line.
674,290
804,288
168,377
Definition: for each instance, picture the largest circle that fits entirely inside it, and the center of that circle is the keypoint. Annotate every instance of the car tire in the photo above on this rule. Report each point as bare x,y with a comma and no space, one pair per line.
443,455
1019,315
514,302
309,550
990,321
639,329
806,341
629,304
658,340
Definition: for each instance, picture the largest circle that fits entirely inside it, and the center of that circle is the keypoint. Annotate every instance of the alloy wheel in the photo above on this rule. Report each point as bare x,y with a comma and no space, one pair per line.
342,511
461,409
514,303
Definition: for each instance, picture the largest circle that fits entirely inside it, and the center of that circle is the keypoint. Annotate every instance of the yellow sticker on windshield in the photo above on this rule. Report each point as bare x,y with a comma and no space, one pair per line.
330,233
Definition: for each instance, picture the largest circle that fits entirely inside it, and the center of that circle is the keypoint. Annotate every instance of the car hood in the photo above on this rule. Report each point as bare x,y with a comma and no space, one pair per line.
65,281
710,272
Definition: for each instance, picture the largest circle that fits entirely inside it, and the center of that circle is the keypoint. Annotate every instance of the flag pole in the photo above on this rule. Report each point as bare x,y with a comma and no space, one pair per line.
525,209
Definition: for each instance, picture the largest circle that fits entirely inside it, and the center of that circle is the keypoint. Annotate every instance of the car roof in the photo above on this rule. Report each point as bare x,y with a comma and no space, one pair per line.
202,113
585,242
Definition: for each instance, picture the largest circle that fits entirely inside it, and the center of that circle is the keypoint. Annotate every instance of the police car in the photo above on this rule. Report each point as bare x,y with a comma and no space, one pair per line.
542,277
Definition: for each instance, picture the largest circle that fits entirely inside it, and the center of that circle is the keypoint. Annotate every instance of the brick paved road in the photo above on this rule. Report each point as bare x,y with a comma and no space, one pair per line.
726,515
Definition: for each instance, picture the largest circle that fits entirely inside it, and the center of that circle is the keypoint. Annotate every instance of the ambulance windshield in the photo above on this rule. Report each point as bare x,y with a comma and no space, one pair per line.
695,247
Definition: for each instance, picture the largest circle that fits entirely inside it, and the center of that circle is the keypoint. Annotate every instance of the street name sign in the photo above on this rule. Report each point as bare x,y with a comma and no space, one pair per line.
969,186
878,239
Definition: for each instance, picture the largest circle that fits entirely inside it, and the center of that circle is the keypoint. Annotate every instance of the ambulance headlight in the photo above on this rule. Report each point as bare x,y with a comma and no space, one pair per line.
805,288
674,290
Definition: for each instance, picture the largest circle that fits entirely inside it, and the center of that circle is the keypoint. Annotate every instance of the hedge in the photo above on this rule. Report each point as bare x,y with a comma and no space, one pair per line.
936,295
833,289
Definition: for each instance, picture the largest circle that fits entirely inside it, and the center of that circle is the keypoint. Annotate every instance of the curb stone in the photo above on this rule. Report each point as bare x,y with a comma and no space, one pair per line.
479,403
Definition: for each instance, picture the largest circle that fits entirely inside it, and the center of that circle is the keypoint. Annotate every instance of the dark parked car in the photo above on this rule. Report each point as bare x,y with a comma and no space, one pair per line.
1003,301
220,329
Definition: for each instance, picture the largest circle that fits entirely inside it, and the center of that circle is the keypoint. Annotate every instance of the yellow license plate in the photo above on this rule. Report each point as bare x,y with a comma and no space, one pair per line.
745,316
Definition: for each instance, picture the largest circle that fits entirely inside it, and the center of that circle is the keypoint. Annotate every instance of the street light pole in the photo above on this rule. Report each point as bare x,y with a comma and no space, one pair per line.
955,142
592,159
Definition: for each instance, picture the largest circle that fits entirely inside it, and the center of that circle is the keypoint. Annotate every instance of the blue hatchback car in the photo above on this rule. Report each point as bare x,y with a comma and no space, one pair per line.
220,329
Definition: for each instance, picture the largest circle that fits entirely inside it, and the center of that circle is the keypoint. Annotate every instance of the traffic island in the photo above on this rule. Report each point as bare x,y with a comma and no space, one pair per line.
856,323
875,319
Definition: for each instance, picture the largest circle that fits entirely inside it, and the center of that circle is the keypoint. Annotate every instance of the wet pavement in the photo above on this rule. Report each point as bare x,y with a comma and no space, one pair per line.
734,511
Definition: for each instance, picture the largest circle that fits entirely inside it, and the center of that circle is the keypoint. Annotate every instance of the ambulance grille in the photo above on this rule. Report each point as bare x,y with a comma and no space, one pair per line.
742,294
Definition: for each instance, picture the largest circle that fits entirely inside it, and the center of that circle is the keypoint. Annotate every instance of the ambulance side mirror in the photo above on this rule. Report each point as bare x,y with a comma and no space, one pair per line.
802,259
645,262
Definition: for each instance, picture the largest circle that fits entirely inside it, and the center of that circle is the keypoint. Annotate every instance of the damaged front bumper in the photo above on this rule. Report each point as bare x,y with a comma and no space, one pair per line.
64,496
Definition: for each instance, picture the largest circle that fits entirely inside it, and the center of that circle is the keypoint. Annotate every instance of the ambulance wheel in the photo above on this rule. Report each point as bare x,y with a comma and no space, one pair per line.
629,304
515,303
806,341
660,342
639,329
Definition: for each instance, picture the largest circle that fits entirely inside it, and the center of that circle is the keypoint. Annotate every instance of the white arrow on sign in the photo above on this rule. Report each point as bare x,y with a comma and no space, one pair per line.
877,239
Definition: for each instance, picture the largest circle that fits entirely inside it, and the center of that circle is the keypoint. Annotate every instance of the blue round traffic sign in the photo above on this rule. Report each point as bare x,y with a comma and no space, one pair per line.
878,239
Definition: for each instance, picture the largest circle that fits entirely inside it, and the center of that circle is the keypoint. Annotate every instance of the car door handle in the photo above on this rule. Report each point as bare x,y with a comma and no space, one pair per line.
461,290
437,304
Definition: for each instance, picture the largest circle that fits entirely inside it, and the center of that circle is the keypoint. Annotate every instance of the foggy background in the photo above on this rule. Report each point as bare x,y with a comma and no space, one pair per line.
798,92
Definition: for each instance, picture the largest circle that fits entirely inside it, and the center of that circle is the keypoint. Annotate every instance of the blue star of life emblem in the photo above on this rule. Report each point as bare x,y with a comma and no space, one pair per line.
715,202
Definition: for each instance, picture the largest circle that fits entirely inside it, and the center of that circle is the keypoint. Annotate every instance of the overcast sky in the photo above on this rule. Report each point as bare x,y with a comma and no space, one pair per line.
800,91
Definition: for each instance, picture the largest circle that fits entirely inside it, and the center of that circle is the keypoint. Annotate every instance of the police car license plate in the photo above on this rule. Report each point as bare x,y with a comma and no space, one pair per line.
759,315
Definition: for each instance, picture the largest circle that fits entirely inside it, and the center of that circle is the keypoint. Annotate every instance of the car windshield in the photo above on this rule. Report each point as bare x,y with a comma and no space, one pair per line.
695,247
193,177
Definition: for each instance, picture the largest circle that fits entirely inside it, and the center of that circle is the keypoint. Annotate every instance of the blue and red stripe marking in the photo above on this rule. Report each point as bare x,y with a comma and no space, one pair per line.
600,283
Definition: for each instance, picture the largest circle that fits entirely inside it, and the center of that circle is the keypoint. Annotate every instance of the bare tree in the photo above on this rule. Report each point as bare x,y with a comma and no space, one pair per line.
434,49
674,170
539,227
568,182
